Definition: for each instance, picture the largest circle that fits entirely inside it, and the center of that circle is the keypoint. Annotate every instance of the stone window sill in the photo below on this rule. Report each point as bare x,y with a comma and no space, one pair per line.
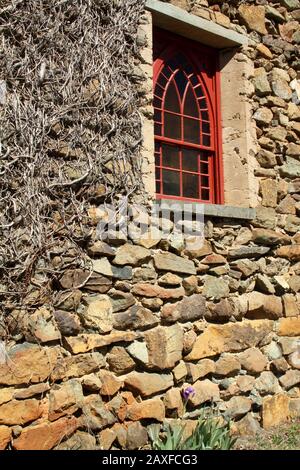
212,210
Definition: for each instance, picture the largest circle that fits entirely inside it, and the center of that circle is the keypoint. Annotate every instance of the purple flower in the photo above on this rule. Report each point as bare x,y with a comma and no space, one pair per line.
188,392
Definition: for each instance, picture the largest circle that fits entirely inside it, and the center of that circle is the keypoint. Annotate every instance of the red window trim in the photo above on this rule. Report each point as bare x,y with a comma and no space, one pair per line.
208,73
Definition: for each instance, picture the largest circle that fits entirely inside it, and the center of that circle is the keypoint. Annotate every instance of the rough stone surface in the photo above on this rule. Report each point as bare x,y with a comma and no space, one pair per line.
174,263
229,338
275,410
147,384
189,309
253,360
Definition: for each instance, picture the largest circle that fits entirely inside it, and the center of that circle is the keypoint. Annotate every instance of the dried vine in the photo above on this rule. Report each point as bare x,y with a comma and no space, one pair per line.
70,128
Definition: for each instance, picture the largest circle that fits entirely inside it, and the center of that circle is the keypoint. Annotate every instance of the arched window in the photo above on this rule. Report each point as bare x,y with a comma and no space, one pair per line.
187,150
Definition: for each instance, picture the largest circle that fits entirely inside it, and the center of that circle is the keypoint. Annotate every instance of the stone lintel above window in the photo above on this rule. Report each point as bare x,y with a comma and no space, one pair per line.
181,22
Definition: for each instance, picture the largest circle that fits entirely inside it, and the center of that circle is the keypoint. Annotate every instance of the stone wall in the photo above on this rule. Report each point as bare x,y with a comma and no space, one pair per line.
109,352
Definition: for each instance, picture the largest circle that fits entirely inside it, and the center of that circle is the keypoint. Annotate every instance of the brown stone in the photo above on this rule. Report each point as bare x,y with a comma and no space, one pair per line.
173,263
73,278
76,366
291,252
222,310
190,284
164,345
189,309
68,323
180,371
204,250
100,248
121,300
238,406
95,415
247,426
266,158
79,441
229,338
281,89
169,279
119,360
279,366
246,267
150,290
110,384
290,379
263,306
189,339
6,394
253,360
45,436
107,438
214,259
205,391
264,51
41,327
294,283
20,412
65,399
86,342
5,436
147,409
91,383
215,288
294,359
137,436
131,254
268,188
289,326
253,17
267,384
287,206
136,317
263,236
245,383
28,363
147,384
275,410
263,116
98,313
68,300
152,303
227,365
173,401
33,390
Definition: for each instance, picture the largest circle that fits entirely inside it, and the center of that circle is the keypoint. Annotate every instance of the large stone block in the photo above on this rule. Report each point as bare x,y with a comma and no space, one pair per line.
28,363
231,337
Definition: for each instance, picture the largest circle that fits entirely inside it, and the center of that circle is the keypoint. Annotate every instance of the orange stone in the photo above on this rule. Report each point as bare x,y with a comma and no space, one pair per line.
45,436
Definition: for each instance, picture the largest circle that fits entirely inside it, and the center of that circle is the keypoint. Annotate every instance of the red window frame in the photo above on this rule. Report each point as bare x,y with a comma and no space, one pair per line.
201,69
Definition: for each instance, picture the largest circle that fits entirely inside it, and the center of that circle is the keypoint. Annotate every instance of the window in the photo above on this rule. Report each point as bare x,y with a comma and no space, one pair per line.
186,120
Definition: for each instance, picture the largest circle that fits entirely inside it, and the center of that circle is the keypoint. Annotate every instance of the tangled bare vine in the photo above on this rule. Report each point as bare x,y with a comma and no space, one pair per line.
71,130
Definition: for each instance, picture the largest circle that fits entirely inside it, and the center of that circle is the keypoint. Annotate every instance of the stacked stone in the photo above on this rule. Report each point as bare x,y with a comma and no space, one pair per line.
109,357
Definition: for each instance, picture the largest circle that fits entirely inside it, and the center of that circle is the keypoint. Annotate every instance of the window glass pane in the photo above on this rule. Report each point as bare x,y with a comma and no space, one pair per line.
205,181
159,91
181,82
157,159
170,156
156,102
194,80
190,159
162,81
171,182
203,104
157,115
190,104
204,116
158,187
190,185
191,130
157,129
171,99
205,194
205,127
204,168
172,126
206,140
157,173
199,91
